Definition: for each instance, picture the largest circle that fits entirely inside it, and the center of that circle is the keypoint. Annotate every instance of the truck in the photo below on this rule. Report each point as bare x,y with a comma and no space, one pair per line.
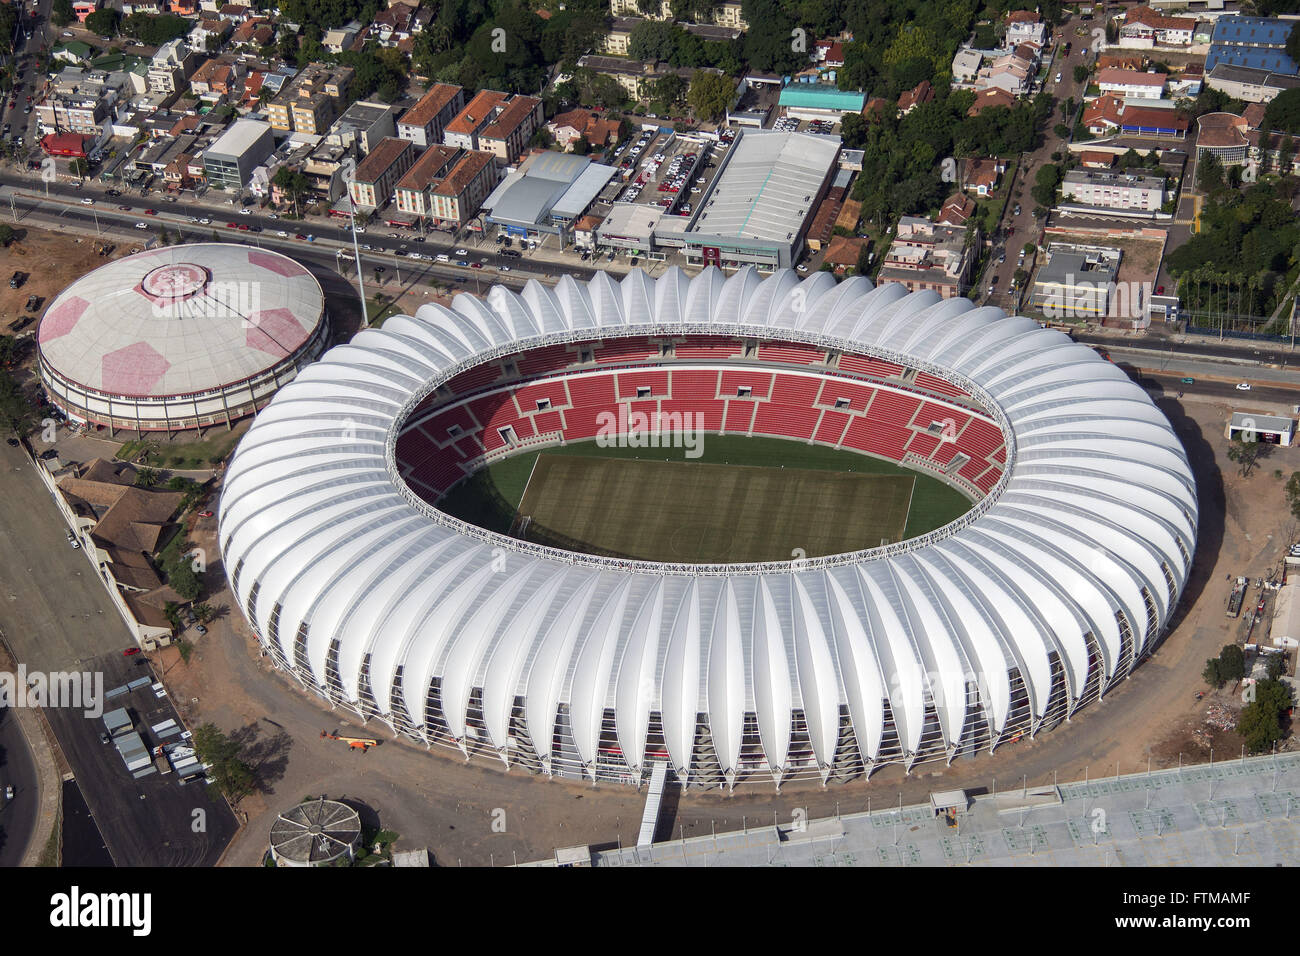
1235,599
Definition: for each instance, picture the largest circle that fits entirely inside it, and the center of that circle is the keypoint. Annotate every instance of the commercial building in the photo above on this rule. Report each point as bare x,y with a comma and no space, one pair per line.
1269,429
817,101
929,256
547,193
424,123
446,185
1114,190
1251,85
1076,281
373,183
1257,43
229,162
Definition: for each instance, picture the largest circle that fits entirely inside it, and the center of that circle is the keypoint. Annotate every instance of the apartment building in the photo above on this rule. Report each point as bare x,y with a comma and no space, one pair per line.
1114,190
375,179
728,13
510,130
309,102
363,125
447,185
171,66
926,255
425,122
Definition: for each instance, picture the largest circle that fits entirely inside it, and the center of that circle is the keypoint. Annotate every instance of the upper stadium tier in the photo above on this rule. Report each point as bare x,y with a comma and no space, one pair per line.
1000,624
180,337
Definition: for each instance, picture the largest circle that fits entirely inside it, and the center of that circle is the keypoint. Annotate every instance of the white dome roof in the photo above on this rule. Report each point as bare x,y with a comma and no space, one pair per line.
178,320
1054,585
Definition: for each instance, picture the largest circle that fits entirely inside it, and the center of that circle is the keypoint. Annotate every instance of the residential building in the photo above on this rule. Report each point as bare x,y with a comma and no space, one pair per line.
727,13
966,66
1114,190
424,123
928,256
325,168
447,185
616,41
981,176
956,210
989,98
1076,281
584,231
1131,84
218,78
229,162
636,78
923,92
171,66
496,122
1011,73
363,124
1144,28
1109,114
566,128
340,38
84,8
309,102
398,23
1025,26
373,183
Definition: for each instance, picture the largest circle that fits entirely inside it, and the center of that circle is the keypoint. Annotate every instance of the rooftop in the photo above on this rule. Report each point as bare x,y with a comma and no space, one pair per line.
380,158
468,120
430,104
511,116
768,185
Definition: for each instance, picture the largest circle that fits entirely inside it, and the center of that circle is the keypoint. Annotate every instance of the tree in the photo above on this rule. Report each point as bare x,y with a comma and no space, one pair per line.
230,774
16,413
1209,178
1293,493
710,95
1232,663
863,265
853,131
1213,674
6,234
184,580
1080,73
103,22
654,40
61,13
204,613
1285,153
1293,43
1260,721
293,183
1245,454
146,478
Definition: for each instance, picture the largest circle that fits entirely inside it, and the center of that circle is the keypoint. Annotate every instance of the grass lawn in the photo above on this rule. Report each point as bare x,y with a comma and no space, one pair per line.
676,514
191,455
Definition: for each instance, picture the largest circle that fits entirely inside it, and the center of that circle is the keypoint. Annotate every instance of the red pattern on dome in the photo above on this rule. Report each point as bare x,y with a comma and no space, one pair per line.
274,331
133,370
61,320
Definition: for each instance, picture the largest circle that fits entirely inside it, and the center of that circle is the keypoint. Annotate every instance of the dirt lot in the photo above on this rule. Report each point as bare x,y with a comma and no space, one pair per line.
50,261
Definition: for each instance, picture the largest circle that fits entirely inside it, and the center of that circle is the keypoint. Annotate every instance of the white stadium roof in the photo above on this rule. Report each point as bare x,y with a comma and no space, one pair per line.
1026,597
178,320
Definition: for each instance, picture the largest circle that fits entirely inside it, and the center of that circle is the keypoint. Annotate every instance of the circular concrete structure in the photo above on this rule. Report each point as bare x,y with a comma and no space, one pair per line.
180,337
1001,624
315,833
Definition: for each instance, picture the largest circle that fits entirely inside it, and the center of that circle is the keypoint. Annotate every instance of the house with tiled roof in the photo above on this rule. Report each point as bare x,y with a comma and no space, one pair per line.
981,176
956,210
923,92
567,127
989,98
1144,28
1110,114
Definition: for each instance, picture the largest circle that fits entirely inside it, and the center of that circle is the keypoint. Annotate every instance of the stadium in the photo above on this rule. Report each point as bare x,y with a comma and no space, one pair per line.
180,337
1059,524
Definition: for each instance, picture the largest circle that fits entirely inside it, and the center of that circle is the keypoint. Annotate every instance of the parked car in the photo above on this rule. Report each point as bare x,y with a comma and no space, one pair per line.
1243,386
33,303
142,225
15,280
205,514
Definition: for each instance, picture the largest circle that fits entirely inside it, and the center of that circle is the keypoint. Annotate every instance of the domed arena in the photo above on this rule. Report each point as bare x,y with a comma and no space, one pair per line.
180,337
1015,527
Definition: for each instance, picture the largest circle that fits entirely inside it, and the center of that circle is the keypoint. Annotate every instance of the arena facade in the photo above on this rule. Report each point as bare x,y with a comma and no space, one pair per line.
180,337
1055,584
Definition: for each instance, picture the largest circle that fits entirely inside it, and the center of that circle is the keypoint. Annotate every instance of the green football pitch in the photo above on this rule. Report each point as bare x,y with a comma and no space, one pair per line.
743,499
